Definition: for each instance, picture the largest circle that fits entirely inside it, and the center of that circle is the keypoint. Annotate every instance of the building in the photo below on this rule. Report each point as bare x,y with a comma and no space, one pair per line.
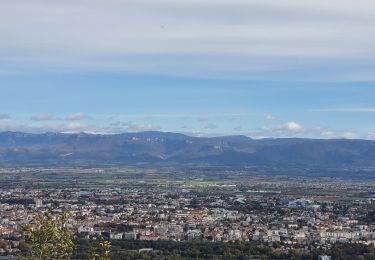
38,203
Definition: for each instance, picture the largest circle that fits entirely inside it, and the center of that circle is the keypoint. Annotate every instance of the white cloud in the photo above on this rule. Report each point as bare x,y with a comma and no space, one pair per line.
350,135
289,129
144,127
350,109
339,134
77,127
328,134
76,116
4,116
120,126
240,37
43,117
210,126
203,119
293,127
270,117
198,117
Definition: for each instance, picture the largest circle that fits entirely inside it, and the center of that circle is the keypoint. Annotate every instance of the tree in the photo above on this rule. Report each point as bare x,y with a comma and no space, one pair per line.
3,245
50,237
24,246
92,254
105,247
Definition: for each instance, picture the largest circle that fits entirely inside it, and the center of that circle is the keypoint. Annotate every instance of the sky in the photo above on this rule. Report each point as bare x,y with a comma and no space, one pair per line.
266,68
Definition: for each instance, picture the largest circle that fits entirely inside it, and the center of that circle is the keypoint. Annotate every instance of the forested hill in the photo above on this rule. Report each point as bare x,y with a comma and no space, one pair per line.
82,149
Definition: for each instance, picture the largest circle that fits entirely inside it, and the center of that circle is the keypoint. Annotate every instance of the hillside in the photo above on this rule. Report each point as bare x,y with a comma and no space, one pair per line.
82,149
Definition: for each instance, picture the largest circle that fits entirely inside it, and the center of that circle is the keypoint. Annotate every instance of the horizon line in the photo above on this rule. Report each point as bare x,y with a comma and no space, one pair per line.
184,134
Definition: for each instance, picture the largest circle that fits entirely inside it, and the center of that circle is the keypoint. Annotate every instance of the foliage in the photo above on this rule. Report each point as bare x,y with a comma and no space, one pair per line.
105,247
124,249
50,237
3,245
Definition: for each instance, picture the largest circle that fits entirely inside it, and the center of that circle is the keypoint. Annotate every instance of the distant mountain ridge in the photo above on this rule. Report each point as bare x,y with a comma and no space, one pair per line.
83,149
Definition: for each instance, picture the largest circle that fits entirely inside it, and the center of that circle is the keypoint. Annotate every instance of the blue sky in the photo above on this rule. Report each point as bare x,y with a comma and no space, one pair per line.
260,68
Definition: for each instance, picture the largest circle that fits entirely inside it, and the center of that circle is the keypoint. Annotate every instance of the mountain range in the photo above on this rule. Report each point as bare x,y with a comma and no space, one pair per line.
162,148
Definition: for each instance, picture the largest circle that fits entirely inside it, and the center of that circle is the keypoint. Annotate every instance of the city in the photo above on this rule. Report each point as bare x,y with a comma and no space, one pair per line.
185,210
187,130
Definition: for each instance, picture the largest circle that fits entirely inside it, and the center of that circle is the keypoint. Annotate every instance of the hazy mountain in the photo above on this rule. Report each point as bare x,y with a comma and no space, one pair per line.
23,149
